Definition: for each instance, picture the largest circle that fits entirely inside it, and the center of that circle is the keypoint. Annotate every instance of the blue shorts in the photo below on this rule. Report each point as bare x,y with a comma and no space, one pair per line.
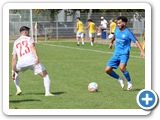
115,60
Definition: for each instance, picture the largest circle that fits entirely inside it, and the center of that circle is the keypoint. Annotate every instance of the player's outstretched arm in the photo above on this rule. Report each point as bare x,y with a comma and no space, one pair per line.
140,48
33,49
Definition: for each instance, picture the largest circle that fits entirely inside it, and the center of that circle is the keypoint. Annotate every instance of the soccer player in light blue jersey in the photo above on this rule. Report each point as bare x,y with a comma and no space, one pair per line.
122,37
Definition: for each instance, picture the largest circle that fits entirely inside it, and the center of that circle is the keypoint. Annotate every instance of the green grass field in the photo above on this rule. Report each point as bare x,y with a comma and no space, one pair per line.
71,68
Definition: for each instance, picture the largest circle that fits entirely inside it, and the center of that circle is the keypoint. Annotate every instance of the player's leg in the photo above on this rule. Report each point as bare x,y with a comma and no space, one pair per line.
82,41
91,40
113,63
77,37
15,78
16,83
47,82
143,44
122,66
78,41
40,70
91,36
82,37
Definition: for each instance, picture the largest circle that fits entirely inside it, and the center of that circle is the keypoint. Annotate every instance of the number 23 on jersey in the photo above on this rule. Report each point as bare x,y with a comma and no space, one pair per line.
22,48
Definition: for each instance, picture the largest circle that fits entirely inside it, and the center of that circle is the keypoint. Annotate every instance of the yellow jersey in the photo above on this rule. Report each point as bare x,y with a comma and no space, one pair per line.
92,27
80,26
113,26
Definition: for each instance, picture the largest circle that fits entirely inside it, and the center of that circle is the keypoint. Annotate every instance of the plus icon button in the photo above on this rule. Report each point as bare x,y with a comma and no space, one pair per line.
147,99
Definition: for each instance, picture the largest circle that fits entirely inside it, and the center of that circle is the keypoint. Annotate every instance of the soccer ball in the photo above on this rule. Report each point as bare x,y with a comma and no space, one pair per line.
93,86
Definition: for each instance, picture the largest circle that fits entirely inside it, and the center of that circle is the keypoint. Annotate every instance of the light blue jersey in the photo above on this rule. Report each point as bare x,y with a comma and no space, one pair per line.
123,41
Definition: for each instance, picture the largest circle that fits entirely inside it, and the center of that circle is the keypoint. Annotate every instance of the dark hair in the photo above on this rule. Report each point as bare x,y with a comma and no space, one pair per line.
90,20
78,18
123,18
24,28
112,19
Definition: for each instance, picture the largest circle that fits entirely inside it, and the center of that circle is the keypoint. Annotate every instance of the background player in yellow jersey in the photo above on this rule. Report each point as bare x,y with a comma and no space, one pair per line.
79,29
112,28
92,27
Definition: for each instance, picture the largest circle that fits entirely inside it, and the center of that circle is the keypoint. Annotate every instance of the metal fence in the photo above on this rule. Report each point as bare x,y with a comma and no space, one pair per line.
63,26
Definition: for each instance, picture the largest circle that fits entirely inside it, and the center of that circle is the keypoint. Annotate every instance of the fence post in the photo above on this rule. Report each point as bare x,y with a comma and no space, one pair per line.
31,23
57,26
45,34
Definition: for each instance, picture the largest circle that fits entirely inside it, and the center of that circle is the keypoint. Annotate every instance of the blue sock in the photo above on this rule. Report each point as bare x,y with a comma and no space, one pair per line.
114,75
127,76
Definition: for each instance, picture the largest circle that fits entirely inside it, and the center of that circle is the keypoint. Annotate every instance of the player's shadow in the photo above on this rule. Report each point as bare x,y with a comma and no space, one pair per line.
25,100
58,93
55,93
137,89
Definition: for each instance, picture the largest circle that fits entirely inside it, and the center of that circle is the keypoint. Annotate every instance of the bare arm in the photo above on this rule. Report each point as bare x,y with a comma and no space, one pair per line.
87,26
140,48
106,24
111,43
33,49
76,28
14,62
13,65
110,30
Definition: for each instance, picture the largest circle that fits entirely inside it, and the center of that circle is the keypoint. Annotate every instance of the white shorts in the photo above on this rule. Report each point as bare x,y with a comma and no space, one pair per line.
35,68
102,27
80,34
110,36
92,35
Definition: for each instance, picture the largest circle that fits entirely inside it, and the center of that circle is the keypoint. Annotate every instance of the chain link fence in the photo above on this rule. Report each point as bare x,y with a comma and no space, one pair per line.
62,28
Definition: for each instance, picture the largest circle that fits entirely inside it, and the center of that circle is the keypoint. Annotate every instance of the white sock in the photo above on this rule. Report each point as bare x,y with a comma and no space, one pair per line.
82,43
77,42
47,83
16,82
130,82
91,43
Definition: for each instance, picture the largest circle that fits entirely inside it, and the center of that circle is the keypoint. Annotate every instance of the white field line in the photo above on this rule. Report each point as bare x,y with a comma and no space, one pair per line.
87,50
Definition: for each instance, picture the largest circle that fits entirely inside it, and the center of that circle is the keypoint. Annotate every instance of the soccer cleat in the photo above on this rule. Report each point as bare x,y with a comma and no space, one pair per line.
78,44
129,86
19,92
49,94
121,81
